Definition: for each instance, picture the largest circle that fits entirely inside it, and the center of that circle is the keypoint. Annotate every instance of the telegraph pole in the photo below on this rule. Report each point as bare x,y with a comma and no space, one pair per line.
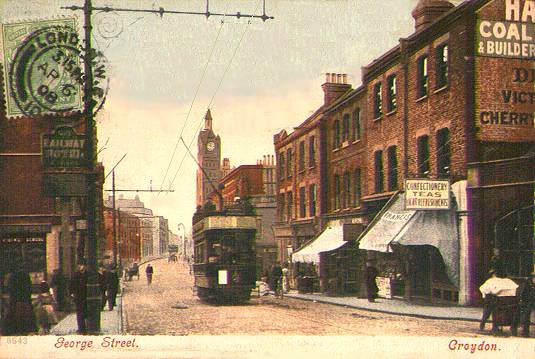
93,295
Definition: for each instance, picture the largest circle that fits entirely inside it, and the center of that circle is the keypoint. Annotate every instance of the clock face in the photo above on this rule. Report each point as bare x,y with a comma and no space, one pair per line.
210,146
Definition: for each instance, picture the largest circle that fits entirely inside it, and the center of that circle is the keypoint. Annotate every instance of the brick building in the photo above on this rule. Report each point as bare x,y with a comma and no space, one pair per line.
42,207
453,101
300,187
128,234
149,223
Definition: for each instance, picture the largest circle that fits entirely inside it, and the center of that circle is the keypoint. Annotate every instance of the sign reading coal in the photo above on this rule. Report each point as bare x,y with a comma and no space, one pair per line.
514,37
427,194
64,148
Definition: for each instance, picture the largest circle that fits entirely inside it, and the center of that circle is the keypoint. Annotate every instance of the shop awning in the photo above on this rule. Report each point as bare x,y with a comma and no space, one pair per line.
330,239
386,226
394,225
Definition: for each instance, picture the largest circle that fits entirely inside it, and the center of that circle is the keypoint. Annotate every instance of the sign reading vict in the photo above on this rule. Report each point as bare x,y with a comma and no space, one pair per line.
64,148
512,37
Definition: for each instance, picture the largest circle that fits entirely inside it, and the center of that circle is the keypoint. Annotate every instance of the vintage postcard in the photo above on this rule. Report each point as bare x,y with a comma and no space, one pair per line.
267,178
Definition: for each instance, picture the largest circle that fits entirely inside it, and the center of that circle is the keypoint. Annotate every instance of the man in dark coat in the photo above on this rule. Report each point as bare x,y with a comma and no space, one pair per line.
57,283
526,296
276,278
102,274
371,285
112,287
78,290
21,318
149,271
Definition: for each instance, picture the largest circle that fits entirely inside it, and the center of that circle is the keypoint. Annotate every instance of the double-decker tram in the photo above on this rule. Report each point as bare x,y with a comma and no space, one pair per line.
224,257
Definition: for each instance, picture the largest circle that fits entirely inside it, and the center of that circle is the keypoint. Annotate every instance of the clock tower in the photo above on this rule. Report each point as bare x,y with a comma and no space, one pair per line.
209,158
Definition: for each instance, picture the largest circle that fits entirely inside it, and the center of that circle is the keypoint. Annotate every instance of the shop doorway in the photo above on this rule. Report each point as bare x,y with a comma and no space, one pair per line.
515,240
30,251
420,257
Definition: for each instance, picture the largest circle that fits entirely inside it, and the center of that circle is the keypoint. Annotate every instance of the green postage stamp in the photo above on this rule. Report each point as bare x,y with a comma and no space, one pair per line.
42,67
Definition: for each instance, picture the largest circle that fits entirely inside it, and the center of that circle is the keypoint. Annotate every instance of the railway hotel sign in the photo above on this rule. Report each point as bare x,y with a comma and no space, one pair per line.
64,148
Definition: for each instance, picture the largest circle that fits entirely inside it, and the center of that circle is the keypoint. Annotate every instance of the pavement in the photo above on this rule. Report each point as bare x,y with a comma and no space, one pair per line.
397,307
110,322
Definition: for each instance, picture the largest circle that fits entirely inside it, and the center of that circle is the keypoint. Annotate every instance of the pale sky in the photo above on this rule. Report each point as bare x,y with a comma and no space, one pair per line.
269,73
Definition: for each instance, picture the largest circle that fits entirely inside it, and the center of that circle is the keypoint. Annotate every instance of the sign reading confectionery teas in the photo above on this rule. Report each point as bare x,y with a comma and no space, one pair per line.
427,194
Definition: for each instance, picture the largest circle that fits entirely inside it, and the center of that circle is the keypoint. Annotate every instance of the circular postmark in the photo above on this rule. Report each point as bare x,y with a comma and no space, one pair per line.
46,74
109,25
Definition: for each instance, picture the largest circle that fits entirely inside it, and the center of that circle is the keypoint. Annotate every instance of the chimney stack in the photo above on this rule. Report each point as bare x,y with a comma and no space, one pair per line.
335,86
428,11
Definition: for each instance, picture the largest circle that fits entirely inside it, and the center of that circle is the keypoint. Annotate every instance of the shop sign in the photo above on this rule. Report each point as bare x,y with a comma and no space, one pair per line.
64,148
425,194
384,285
81,224
65,184
512,37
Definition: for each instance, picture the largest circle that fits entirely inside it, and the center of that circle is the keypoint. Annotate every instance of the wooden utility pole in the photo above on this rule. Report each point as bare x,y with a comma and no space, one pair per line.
93,290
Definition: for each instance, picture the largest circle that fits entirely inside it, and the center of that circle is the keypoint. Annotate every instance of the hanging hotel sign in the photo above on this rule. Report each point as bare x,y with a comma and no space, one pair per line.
425,194
64,148
513,37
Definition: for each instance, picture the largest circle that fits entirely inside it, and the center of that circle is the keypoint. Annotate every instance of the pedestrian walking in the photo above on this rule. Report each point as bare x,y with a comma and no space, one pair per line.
276,279
371,285
498,285
112,287
58,286
489,299
78,291
149,271
102,286
44,309
20,315
285,278
526,296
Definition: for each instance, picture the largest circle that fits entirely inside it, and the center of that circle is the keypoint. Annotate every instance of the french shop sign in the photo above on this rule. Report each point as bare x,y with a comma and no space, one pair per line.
512,37
426,194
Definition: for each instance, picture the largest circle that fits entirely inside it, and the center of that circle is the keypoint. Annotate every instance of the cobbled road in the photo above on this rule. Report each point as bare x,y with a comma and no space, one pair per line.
169,307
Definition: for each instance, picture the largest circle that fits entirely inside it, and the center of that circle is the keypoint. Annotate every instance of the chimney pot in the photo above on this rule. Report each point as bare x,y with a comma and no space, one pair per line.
327,77
339,80
344,79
